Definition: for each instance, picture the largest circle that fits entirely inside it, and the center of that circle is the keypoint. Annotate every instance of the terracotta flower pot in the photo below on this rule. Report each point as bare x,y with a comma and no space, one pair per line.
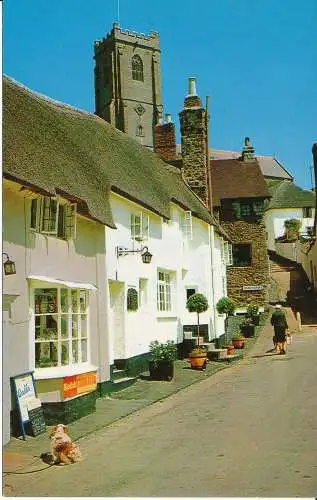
238,343
230,350
198,360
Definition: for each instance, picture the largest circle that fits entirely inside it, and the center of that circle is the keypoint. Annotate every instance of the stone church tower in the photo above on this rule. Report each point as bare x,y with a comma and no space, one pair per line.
128,87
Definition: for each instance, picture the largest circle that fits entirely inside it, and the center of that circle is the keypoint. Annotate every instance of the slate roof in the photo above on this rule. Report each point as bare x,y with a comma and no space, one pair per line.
271,168
232,178
56,148
285,194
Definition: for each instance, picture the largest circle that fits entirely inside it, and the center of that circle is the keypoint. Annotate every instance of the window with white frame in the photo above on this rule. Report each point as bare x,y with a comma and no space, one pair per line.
164,291
140,226
187,225
61,326
52,216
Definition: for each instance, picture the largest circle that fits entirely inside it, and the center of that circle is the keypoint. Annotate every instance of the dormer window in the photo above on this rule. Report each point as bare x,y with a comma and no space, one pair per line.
137,68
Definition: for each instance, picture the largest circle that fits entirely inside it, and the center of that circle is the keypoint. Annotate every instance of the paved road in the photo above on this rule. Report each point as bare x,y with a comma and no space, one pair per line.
247,431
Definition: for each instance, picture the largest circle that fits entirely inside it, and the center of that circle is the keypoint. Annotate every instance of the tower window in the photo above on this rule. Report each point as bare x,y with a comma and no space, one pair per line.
137,68
139,131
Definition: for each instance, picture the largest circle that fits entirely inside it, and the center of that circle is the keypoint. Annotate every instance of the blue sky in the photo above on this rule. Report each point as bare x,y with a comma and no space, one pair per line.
256,59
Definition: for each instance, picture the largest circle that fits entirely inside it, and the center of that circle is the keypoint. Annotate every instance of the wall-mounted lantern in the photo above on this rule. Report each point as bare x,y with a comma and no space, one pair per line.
8,265
144,251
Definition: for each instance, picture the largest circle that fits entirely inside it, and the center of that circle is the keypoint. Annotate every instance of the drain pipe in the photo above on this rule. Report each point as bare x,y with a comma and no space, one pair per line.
211,227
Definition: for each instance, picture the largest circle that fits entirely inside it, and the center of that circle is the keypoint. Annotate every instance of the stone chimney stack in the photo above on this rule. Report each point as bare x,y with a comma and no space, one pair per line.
193,129
165,139
248,150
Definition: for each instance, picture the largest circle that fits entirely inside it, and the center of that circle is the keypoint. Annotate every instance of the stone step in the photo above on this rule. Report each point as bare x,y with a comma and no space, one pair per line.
122,383
117,374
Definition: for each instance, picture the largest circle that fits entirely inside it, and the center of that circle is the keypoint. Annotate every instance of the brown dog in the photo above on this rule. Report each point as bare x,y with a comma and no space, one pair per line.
63,449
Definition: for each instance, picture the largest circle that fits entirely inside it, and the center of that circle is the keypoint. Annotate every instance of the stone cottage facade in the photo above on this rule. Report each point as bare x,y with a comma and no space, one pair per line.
239,191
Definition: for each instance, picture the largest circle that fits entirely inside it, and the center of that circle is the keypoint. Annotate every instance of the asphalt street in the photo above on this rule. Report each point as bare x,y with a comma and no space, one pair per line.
249,430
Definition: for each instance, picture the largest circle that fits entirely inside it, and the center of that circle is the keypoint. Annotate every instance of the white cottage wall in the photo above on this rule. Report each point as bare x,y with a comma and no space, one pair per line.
81,260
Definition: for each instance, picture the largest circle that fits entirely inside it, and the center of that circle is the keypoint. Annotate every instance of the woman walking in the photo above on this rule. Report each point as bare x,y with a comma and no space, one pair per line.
278,321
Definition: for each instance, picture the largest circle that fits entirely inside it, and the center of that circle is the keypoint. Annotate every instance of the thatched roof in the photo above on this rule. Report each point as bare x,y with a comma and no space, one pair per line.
286,194
55,148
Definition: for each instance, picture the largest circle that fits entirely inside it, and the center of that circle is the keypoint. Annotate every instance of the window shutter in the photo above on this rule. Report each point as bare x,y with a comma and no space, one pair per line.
145,226
230,257
49,215
70,221
35,214
188,225
222,251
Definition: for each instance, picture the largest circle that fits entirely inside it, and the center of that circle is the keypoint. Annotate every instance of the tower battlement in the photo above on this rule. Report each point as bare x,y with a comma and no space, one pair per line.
127,36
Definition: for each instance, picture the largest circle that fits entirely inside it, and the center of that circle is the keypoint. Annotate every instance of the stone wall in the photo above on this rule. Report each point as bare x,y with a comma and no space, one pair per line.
255,275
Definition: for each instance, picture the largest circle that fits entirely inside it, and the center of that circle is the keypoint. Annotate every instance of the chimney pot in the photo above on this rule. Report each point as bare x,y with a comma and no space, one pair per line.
168,118
192,86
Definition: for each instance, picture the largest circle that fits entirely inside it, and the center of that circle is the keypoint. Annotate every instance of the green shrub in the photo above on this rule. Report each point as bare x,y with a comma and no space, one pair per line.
225,306
163,351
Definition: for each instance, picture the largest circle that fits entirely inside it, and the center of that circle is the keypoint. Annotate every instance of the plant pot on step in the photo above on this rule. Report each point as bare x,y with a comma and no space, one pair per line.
238,342
230,349
198,358
161,364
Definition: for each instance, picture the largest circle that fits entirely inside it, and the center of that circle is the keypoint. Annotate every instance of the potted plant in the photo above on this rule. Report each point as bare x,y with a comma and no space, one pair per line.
253,313
161,363
247,327
198,303
226,306
238,340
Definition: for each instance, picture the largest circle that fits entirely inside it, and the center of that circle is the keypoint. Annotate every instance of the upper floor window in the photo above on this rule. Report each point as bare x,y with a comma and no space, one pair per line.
241,209
137,68
187,225
61,326
50,216
241,255
140,226
307,212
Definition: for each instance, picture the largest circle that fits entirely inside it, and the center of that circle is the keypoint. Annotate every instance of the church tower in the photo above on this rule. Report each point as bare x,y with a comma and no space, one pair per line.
128,88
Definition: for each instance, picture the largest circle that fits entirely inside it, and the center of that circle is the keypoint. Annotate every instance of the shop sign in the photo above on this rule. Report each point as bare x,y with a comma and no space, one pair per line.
252,288
29,406
79,384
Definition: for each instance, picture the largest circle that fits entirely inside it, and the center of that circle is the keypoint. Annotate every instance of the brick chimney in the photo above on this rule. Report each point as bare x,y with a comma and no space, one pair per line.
165,139
248,151
194,143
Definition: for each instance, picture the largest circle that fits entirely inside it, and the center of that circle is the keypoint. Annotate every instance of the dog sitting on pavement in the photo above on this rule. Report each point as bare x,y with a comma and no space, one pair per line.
64,450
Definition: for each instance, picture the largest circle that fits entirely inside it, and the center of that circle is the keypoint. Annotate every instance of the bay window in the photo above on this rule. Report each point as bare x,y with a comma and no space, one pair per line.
61,326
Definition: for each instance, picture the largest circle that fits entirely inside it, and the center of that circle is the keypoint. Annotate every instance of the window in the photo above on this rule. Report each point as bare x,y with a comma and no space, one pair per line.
187,225
132,299
139,131
190,292
50,216
143,295
164,300
137,68
243,209
61,326
139,226
307,212
241,255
